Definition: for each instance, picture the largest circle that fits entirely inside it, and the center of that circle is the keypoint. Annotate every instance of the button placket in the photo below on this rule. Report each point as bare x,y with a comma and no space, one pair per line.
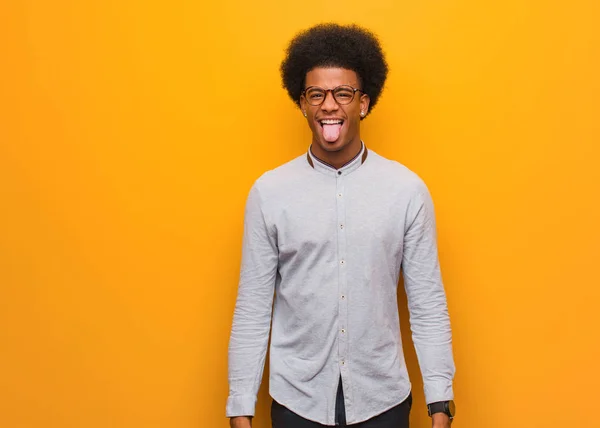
342,286
343,299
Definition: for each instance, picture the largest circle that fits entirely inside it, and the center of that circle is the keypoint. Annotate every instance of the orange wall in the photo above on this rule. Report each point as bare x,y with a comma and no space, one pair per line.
131,131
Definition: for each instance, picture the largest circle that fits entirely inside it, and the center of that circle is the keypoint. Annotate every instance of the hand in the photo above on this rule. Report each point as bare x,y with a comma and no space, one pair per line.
240,422
441,420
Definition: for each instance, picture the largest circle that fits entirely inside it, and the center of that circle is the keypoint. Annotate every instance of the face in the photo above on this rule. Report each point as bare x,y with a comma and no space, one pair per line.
334,138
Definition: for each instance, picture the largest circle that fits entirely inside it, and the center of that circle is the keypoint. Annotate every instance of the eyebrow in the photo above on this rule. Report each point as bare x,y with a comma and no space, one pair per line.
354,85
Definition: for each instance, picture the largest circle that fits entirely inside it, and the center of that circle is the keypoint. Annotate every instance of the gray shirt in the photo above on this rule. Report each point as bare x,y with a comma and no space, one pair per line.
329,244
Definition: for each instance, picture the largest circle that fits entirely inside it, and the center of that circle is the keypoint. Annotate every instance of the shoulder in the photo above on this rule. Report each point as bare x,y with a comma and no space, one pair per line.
281,178
397,175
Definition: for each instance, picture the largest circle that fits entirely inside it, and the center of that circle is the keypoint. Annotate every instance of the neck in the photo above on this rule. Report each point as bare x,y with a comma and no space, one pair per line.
338,158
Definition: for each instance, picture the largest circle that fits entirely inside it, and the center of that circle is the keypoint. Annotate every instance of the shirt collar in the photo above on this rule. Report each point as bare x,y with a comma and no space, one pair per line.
328,169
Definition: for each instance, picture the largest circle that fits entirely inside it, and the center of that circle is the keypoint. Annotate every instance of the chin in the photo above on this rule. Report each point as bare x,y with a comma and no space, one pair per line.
334,146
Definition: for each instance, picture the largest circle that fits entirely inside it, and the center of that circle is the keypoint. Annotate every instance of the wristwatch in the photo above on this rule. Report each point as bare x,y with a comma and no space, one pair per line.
446,407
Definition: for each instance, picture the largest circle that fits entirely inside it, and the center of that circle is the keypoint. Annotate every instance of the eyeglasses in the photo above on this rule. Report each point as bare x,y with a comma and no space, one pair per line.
343,94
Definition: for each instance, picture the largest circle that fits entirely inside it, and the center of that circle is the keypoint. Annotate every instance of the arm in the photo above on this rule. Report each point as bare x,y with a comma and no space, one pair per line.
252,315
429,319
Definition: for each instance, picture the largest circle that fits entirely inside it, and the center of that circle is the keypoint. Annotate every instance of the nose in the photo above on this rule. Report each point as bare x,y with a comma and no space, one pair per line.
329,103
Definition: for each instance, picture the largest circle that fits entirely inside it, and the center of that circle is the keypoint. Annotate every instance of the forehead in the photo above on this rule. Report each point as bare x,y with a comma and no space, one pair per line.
331,77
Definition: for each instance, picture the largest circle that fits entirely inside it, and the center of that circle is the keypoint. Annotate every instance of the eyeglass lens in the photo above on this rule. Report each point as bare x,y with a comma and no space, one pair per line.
342,95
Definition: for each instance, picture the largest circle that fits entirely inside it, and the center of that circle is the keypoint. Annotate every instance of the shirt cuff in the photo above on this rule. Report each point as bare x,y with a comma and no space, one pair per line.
240,405
438,391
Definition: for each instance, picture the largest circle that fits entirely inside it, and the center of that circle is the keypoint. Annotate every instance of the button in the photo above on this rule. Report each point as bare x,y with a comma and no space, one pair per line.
341,226
343,296
339,172
339,195
343,362
343,331
342,262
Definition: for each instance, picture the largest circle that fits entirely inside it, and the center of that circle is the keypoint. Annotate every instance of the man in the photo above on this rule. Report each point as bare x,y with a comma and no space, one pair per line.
328,234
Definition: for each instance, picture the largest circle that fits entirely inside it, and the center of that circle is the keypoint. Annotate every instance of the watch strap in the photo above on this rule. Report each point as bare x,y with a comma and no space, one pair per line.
439,407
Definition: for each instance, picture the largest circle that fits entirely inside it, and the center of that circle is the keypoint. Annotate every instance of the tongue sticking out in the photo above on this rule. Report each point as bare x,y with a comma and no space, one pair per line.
331,132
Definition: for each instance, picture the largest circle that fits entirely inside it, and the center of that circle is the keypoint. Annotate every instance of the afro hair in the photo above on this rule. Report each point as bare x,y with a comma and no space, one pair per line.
333,45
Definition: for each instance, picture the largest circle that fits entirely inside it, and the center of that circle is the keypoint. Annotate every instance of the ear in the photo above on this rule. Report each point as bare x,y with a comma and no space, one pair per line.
364,103
303,104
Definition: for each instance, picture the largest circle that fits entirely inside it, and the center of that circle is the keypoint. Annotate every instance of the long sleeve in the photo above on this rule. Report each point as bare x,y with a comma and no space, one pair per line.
429,319
253,309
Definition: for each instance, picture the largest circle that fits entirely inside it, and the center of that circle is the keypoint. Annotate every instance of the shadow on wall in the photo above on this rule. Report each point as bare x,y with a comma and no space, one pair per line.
418,418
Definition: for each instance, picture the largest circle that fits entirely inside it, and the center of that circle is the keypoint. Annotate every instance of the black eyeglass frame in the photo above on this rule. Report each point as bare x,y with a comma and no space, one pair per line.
354,91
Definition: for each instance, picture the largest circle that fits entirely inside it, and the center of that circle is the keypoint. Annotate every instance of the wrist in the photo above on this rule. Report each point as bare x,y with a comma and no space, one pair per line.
240,422
446,408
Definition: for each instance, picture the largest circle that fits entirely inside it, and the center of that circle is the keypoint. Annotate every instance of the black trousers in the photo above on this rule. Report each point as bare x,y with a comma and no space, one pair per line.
396,417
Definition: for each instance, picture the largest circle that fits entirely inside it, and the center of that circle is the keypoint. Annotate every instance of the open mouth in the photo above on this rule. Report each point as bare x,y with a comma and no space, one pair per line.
330,129
331,122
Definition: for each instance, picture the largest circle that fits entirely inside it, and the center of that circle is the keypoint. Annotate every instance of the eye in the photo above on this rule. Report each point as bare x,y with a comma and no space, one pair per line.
344,94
